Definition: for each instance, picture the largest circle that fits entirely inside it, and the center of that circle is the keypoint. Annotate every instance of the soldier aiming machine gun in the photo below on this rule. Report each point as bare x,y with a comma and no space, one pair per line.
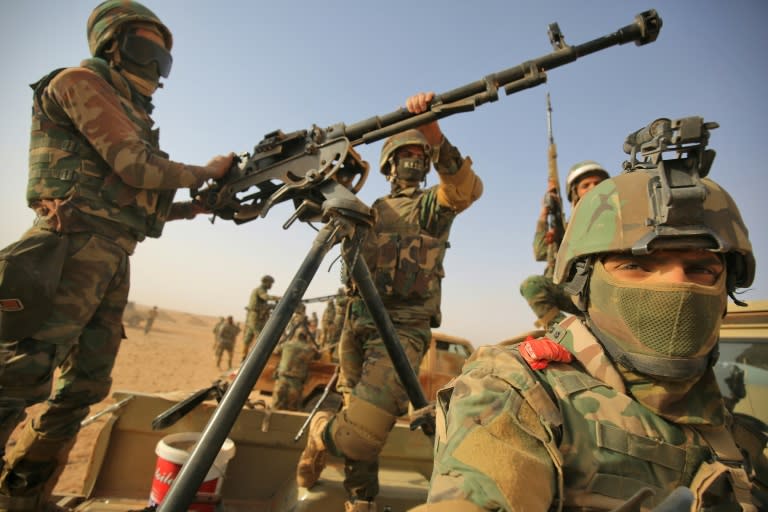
320,171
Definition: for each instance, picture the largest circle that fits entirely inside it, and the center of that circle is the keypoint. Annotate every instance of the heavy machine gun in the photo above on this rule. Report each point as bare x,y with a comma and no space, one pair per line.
320,171
300,165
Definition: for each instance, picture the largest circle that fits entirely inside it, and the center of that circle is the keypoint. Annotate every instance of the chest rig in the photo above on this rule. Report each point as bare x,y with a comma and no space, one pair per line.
64,165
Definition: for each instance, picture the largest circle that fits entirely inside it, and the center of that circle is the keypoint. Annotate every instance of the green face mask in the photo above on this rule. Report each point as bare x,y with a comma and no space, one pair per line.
658,329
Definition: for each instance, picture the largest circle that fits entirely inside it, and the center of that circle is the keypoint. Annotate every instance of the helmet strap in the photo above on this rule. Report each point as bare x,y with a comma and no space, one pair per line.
578,286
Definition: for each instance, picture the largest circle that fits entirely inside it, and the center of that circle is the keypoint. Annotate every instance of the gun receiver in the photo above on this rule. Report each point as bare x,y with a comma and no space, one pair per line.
306,166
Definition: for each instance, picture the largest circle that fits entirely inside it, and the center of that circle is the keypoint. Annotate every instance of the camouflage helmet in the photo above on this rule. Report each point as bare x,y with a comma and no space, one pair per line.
267,279
579,171
391,145
107,18
614,218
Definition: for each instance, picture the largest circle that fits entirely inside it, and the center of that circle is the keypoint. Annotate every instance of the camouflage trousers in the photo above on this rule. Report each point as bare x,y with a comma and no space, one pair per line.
81,336
367,373
547,300
288,391
252,331
223,346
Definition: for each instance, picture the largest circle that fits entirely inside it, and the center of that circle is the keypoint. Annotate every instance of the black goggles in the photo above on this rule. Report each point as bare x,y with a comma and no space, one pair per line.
143,52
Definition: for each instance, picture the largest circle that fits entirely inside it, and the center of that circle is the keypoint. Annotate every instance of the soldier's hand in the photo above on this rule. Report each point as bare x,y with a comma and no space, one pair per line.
419,103
219,165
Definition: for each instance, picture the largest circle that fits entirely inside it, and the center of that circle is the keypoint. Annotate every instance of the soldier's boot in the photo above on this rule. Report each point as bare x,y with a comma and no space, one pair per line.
359,506
313,458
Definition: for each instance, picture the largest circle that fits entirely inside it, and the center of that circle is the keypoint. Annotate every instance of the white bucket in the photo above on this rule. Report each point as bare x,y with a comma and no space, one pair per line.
172,452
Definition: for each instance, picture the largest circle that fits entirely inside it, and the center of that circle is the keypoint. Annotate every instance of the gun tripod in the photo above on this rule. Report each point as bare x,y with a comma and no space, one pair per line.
346,219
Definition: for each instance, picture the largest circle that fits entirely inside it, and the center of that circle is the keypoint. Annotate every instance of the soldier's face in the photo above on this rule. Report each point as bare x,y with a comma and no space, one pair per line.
586,184
684,266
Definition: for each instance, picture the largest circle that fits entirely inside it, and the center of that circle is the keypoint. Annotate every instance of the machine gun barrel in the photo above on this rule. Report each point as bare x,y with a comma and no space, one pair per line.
645,29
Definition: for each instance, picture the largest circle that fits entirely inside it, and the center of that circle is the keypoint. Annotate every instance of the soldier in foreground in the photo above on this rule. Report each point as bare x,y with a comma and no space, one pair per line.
259,307
225,341
622,401
296,353
99,184
547,299
405,251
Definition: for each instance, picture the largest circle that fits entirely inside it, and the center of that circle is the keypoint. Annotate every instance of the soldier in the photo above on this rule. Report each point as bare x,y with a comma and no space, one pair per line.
409,284
327,330
225,341
295,355
548,300
99,184
623,400
259,307
150,321
216,329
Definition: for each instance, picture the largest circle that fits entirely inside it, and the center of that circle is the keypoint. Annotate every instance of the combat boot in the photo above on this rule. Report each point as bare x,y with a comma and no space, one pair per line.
359,506
312,460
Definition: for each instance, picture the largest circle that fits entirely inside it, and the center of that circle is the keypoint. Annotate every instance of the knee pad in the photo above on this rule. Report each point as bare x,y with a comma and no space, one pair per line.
360,430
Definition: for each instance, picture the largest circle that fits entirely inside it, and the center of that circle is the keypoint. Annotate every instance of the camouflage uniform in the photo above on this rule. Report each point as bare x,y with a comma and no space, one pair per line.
98,181
296,354
328,327
225,341
404,251
624,399
259,309
547,299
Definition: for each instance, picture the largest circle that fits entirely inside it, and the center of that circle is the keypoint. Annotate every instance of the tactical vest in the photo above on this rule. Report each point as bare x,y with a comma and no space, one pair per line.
228,332
406,263
64,165
608,446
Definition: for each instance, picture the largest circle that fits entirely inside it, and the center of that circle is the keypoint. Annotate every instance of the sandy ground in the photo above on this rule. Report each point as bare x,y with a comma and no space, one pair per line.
177,354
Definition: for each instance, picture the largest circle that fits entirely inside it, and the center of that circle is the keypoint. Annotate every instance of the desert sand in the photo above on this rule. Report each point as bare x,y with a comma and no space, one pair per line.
176,355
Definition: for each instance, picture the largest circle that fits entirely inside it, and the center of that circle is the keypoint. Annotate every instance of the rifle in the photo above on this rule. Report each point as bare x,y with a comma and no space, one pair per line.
175,413
320,171
326,390
322,298
554,202
87,421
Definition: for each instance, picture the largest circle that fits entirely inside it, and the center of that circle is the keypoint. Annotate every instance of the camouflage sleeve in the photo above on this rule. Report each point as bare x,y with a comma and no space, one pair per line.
94,109
539,241
252,300
459,185
488,449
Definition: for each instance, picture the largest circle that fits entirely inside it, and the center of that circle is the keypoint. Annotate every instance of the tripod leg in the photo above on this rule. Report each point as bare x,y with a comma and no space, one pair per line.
362,277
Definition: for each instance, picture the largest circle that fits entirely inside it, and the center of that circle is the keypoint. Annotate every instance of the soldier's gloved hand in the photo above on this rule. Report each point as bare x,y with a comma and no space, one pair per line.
219,165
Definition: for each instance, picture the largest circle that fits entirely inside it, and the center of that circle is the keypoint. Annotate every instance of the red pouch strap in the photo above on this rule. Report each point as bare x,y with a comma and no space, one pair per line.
538,352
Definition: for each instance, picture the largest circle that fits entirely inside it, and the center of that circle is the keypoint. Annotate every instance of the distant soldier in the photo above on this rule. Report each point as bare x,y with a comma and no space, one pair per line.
548,300
296,353
313,327
216,328
225,341
150,320
259,308
327,327
338,321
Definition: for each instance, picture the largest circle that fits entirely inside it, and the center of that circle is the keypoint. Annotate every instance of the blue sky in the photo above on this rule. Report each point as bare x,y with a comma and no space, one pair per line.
243,69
